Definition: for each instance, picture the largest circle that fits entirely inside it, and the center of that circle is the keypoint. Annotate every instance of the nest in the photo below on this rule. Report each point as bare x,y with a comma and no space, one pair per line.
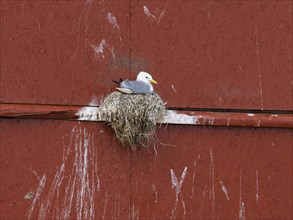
132,116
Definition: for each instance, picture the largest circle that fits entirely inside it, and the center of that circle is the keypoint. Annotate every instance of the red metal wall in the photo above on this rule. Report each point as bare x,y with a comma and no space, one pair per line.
204,54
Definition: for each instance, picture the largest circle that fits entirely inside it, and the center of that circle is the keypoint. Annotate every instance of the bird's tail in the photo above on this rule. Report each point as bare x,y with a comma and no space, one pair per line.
118,82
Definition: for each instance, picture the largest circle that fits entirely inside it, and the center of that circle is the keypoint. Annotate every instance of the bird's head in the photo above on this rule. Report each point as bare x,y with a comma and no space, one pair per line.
145,77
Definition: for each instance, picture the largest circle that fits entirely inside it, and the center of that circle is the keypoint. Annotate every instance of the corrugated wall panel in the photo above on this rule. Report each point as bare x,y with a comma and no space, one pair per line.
73,48
193,173
215,173
217,54
62,170
203,54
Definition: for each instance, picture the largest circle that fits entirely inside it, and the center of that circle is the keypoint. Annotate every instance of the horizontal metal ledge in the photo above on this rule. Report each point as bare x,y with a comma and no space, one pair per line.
89,113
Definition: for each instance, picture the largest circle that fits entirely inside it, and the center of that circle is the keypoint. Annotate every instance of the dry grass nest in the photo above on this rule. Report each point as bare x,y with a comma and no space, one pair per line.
133,116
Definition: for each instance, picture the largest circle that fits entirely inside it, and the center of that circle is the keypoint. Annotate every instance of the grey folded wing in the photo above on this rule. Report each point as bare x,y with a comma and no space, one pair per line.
136,86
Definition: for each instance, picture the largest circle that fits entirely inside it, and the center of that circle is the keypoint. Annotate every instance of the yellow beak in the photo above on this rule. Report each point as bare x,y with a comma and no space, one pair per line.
153,81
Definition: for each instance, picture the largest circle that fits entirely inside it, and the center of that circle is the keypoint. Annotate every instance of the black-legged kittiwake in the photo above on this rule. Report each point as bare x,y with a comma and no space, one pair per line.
142,84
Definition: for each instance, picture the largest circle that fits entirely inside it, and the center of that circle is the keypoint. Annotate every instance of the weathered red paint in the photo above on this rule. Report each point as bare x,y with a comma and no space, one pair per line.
33,149
254,165
204,54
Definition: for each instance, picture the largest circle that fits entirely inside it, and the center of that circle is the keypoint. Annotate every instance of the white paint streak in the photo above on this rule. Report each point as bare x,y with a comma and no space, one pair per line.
251,115
257,186
37,195
173,87
155,191
193,175
224,189
258,67
99,50
105,205
153,17
80,184
148,13
163,12
242,211
202,202
88,113
175,184
112,20
134,213
241,203
112,50
177,187
175,118
212,181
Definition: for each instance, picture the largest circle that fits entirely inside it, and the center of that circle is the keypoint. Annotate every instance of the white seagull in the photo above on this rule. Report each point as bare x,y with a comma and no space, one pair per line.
142,84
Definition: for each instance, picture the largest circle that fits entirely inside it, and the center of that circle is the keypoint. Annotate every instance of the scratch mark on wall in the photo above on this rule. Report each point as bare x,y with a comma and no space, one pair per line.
177,186
116,214
202,202
257,187
105,205
212,181
173,87
81,183
241,203
259,70
193,175
37,195
134,213
163,12
224,189
153,17
112,50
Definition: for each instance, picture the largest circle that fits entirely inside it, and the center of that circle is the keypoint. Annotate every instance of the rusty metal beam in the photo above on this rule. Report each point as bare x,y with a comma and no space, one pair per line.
89,113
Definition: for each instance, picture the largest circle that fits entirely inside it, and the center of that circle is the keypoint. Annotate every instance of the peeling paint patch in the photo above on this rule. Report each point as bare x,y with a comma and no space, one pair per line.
99,50
153,17
148,13
112,20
